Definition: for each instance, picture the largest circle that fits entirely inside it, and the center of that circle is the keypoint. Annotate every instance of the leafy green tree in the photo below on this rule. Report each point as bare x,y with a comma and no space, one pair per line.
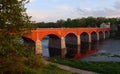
91,21
14,22
60,23
100,20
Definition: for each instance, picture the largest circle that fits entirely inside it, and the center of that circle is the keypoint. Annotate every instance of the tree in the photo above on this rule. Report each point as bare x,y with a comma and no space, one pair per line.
91,21
60,22
13,16
14,22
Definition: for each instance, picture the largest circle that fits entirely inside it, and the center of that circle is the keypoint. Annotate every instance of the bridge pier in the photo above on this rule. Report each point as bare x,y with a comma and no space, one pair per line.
63,47
90,39
38,47
98,37
108,34
104,36
78,40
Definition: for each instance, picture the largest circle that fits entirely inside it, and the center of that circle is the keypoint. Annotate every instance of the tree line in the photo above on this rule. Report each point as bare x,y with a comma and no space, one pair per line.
79,22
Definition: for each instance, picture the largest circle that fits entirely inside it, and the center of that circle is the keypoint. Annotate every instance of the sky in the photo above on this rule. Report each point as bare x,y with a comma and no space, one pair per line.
53,10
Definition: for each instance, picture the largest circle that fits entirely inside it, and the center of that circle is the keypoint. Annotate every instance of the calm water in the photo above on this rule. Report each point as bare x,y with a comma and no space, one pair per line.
108,50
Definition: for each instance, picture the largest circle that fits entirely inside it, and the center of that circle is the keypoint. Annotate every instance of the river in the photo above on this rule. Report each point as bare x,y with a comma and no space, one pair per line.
107,50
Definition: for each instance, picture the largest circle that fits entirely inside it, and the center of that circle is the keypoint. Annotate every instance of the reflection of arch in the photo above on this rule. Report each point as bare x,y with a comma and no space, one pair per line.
106,34
101,35
84,37
94,36
71,50
84,47
71,39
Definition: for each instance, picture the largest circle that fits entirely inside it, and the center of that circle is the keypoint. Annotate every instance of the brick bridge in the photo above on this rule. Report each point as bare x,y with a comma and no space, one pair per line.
60,37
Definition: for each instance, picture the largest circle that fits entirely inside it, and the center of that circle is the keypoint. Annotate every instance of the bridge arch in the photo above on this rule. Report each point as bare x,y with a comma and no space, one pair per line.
94,36
101,35
71,45
71,39
106,34
53,45
29,42
65,34
49,34
84,37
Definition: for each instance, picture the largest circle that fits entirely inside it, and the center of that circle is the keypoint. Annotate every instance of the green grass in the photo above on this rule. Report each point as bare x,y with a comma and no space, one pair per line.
52,69
48,69
98,67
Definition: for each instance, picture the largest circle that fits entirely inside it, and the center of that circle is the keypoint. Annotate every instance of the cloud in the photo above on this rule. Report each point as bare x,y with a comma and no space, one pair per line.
36,16
112,11
53,10
117,4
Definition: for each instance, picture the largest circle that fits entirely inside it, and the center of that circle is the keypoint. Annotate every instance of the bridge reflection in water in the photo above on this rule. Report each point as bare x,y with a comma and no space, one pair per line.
72,51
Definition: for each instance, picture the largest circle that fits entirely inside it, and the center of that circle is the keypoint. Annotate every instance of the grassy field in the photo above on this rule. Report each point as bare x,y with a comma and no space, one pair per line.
98,67
48,69
52,69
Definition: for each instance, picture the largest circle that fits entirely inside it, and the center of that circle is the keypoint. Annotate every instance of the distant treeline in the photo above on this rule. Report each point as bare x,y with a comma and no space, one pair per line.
80,22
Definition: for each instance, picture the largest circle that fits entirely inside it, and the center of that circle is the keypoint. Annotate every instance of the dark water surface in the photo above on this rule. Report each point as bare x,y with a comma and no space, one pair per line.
107,50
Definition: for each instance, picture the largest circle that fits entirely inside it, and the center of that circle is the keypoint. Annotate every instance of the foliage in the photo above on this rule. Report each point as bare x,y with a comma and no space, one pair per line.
35,62
84,22
13,17
99,67
79,22
14,22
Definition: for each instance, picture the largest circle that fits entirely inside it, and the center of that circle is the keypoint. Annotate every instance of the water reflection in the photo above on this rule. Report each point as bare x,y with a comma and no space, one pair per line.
86,49
108,51
71,51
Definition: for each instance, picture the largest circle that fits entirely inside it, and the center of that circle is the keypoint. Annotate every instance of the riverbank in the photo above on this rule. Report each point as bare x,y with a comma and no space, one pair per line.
71,69
98,67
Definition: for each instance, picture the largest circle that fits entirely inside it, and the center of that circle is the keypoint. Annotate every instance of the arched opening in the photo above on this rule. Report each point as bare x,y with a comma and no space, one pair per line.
84,37
93,36
71,45
101,35
94,40
106,34
51,45
28,42
71,39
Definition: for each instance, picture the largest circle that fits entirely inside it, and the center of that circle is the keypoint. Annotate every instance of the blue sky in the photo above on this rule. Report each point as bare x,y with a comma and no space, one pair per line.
53,10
